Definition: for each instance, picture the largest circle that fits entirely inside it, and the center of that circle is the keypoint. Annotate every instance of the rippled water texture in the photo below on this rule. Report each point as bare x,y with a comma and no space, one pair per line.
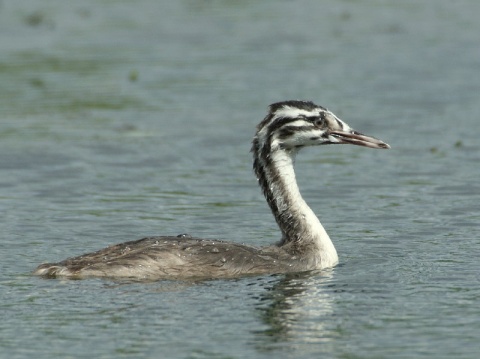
120,120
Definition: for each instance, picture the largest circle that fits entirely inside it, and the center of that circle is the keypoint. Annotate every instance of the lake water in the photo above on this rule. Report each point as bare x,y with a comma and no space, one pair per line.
120,120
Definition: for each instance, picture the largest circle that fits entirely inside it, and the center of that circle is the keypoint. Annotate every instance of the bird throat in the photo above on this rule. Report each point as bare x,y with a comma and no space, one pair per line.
300,227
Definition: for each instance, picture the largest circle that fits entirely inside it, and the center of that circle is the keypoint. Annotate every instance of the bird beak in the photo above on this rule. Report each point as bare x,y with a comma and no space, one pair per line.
356,138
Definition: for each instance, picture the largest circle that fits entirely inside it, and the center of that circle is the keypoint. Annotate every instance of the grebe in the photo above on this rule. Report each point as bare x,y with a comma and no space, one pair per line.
305,245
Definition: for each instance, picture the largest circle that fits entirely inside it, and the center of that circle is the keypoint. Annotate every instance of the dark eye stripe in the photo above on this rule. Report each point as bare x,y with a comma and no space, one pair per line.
315,119
288,131
280,122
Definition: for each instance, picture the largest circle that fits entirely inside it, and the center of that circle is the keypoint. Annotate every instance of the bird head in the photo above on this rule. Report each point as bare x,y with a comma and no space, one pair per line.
291,125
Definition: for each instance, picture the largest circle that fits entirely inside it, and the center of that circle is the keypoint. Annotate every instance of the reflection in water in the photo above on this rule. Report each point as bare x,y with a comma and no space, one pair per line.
297,309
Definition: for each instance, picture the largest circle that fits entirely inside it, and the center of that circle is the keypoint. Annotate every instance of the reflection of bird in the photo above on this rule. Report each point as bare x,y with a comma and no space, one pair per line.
305,245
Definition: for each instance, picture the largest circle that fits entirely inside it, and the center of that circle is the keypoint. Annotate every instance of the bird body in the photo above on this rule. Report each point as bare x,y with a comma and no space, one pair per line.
176,257
305,245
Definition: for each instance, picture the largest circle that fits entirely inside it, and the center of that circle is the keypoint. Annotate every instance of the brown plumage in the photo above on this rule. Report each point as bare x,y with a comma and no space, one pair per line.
174,257
305,245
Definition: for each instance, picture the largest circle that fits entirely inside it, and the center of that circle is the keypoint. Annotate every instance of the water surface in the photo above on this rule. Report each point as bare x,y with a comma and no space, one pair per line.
121,120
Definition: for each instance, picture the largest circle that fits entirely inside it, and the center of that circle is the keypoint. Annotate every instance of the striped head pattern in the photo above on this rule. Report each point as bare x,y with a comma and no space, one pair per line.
291,125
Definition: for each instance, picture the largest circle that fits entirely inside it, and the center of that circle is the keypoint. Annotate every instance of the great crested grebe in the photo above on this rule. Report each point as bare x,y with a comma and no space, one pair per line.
305,245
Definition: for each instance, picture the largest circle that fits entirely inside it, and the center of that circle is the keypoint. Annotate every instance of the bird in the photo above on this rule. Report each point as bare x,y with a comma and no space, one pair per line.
304,246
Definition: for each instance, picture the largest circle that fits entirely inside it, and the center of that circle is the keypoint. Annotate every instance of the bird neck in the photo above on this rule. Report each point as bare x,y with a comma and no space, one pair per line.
302,232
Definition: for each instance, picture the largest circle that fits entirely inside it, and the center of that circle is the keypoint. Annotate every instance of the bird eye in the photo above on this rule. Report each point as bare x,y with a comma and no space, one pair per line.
319,121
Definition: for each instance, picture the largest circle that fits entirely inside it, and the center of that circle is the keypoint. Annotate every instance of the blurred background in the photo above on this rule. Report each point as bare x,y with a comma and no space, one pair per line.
124,119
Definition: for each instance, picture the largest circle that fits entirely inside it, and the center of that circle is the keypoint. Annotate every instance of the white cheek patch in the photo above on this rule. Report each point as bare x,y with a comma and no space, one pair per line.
300,139
307,138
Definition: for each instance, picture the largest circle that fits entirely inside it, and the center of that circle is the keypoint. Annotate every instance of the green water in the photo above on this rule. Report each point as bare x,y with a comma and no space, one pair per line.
120,120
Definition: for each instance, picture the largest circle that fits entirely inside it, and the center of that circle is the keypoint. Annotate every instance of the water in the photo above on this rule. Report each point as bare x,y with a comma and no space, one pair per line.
121,120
